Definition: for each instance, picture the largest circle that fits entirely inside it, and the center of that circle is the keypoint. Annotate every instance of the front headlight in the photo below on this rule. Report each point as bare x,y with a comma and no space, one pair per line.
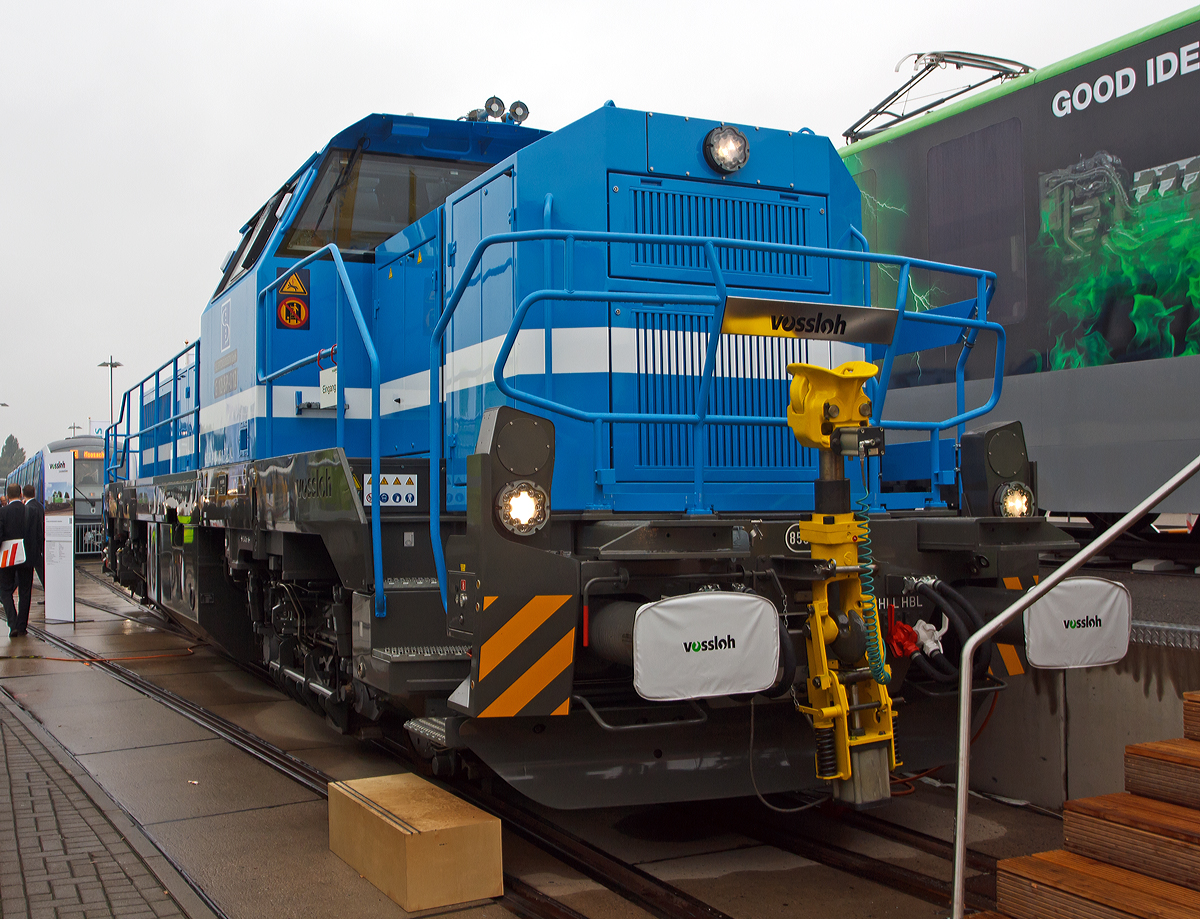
1014,499
523,507
726,149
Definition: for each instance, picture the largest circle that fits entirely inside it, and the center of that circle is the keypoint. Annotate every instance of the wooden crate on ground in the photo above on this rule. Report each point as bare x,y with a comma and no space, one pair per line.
1152,837
1168,770
1068,886
420,845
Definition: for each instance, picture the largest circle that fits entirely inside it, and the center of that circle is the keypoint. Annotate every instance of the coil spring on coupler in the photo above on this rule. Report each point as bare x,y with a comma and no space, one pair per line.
827,762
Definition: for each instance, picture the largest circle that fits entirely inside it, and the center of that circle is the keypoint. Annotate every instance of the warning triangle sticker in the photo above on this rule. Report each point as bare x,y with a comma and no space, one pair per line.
293,285
410,481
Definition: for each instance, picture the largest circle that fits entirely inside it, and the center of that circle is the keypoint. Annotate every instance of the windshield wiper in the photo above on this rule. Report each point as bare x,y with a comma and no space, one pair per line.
342,179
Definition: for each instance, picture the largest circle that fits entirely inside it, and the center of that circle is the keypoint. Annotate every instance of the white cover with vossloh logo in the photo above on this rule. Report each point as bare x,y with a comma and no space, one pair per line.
1082,622
700,645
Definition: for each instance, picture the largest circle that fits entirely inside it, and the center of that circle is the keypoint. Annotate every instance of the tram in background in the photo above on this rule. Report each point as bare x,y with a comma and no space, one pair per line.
88,496
1078,184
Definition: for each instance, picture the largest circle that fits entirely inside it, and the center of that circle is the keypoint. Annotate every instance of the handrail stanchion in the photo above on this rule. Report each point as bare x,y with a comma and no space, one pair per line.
963,779
373,358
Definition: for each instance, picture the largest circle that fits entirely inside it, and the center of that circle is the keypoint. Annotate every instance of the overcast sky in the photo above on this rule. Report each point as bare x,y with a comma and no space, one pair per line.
136,138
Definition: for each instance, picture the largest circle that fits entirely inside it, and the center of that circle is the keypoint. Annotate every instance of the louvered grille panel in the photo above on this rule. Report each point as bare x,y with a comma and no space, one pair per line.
674,214
678,207
750,379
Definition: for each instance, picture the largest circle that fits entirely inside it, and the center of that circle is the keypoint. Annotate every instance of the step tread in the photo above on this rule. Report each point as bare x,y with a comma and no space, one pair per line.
1193,696
1119,890
1161,818
1191,715
1181,751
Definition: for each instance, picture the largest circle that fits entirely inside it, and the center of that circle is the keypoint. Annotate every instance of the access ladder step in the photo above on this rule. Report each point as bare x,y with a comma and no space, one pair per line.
1141,834
1168,770
1191,715
1068,886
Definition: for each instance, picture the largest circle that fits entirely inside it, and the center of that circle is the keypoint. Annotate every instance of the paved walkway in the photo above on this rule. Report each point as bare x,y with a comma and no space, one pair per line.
60,854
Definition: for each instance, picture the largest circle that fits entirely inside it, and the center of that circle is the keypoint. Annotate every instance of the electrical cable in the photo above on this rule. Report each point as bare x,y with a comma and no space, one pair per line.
982,660
754,781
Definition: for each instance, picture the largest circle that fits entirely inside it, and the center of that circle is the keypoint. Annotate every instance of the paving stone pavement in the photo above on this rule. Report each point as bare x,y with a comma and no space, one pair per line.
60,855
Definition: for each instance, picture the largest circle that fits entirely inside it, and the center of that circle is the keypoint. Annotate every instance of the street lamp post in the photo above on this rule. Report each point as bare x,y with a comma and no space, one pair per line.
73,428
111,365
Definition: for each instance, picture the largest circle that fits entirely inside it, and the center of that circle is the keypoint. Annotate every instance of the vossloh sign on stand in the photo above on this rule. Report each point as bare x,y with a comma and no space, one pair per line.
58,474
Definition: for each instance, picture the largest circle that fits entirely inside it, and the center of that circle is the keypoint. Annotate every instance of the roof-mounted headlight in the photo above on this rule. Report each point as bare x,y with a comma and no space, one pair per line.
523,508
1015,499
726,149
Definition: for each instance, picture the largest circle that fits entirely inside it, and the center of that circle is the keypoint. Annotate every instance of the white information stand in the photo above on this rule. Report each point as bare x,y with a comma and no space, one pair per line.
58,476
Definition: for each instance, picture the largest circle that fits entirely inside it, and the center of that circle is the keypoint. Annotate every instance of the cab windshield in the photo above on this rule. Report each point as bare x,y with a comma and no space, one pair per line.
361,199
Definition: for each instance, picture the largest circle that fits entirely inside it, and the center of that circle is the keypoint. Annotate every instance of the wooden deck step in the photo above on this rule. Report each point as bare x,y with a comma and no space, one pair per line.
1068,886
1168,770
1141,834
1191,715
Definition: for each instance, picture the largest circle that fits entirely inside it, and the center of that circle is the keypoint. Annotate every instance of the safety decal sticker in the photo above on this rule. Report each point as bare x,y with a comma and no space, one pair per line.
292,300
393,489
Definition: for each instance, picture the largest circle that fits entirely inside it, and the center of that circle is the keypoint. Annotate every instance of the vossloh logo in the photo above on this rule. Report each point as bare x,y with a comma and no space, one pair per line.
1091,622
821,323
712,644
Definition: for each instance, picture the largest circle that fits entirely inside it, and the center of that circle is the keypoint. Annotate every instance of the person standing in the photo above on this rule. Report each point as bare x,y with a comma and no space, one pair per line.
19,577
35,526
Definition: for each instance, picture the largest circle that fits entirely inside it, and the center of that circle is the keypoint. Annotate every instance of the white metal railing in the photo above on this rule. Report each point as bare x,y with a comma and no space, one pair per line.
968,658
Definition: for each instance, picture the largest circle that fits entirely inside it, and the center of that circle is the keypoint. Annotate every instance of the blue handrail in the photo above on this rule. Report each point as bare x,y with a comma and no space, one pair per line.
112,469
985,282
266,377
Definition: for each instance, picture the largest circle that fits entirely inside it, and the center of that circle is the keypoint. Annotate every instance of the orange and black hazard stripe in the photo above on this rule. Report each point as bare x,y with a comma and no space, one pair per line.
524,665
1009,653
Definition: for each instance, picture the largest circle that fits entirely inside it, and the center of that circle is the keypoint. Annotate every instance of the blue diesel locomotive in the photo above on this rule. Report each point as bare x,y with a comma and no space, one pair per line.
561,455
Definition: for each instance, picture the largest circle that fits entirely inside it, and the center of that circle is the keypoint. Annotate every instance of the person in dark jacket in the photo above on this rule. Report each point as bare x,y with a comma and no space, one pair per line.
35,525
20,577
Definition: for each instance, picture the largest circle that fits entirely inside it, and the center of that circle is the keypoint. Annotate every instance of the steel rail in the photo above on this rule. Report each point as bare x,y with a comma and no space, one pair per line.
915,883
631,883
963,780
655,896
519,897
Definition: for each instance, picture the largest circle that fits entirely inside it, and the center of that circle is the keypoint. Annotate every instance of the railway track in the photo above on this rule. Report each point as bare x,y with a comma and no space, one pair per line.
639,887
659,898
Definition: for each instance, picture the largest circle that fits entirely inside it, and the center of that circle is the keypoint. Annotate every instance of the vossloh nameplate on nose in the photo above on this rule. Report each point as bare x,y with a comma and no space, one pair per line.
823,321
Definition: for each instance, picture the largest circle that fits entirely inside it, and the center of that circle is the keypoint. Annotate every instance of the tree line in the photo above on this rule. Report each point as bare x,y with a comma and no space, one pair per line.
12,455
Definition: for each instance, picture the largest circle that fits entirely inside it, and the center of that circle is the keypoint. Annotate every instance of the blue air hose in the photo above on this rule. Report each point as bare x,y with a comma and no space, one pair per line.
870,613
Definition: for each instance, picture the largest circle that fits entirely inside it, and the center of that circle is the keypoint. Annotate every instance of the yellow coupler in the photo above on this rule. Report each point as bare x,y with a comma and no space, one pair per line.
423,847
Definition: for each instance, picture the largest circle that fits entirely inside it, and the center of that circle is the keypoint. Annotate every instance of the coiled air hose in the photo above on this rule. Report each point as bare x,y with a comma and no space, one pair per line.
870,613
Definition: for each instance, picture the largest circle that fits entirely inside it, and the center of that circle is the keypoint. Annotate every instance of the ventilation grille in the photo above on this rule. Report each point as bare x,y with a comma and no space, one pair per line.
680,208
750,378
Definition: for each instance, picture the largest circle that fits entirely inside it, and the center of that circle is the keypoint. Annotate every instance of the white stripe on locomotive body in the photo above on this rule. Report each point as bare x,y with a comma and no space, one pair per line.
164,451
584,350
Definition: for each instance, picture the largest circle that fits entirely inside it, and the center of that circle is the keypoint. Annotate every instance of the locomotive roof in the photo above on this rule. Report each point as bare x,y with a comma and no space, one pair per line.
409,135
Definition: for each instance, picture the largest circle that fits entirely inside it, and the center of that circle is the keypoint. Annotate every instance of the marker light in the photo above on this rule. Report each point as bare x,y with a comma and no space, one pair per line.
1015,499
726,149
519,111
523,508
494,107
